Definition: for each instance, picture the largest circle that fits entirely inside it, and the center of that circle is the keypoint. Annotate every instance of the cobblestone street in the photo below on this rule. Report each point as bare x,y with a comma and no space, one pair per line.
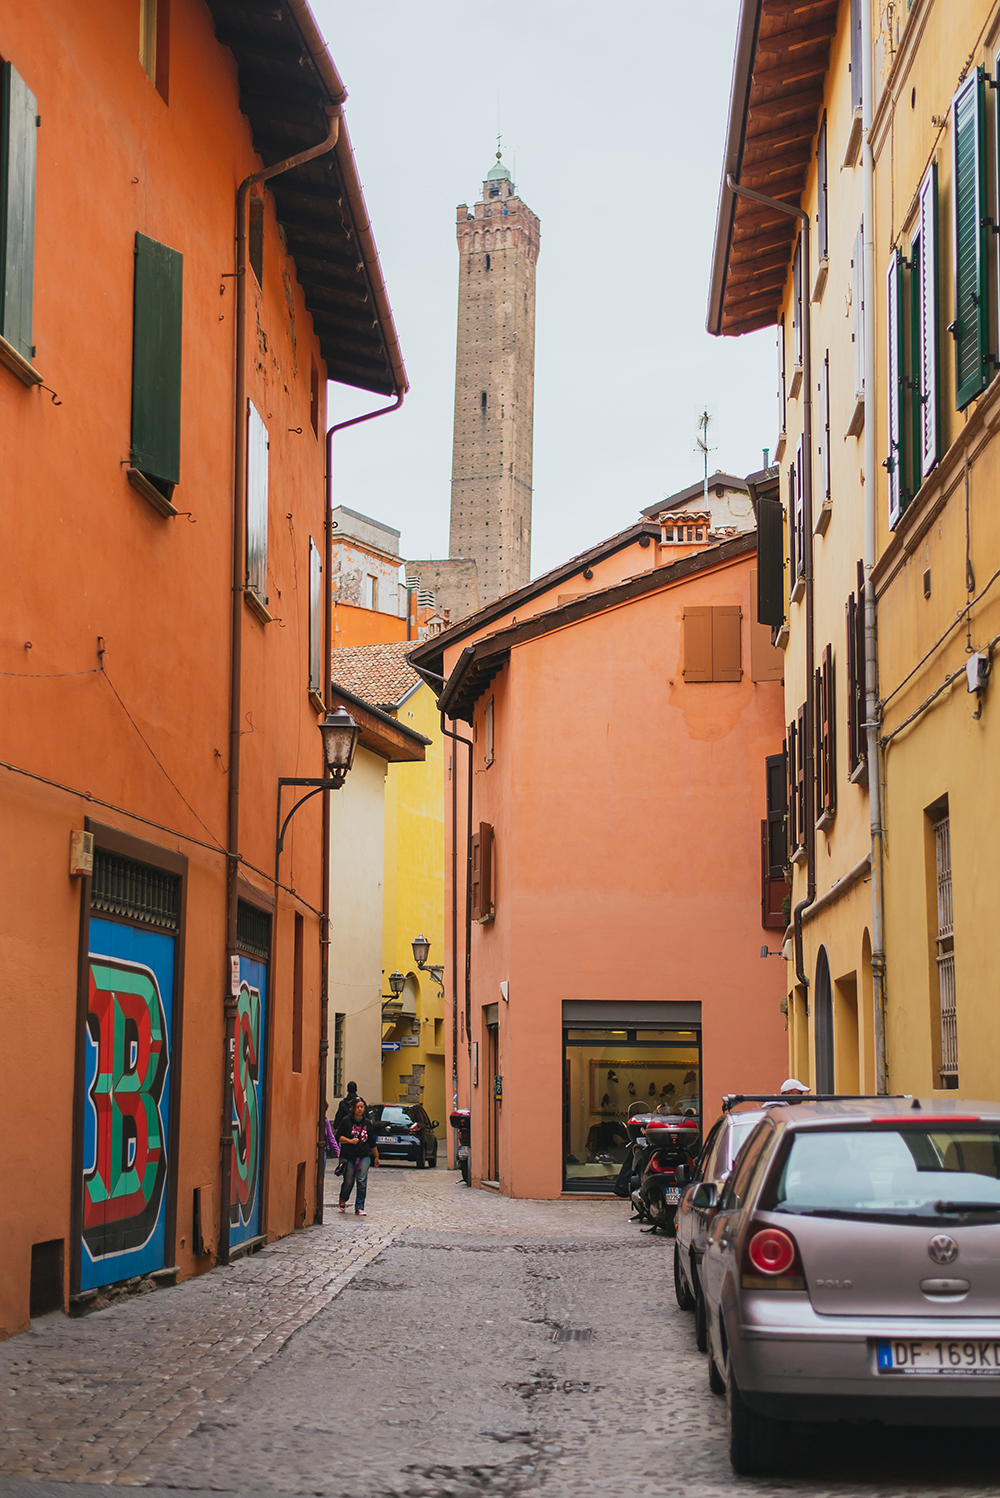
413,1354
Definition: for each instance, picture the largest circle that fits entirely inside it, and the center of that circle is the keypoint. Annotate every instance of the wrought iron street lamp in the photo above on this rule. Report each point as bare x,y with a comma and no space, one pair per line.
340,741
421,951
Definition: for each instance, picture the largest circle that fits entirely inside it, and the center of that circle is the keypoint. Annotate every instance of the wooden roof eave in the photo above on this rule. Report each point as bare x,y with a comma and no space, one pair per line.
776,95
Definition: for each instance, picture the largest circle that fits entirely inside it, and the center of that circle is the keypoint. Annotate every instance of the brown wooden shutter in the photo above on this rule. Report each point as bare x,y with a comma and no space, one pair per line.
828,726
800,774
727,654
774,846
790,762
860,699
483,905
477,880
852,685
698,644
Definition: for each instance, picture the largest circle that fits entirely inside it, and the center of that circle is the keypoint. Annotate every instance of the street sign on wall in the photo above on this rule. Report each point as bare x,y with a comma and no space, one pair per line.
390,1045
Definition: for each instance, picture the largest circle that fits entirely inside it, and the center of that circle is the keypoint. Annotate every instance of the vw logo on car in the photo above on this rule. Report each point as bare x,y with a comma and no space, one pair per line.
943,1249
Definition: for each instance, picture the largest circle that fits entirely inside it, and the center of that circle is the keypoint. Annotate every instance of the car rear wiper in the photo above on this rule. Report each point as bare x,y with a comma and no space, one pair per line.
967,1206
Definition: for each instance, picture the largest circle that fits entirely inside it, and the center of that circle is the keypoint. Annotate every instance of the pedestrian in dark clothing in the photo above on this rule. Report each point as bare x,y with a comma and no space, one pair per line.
344,1110
358,1151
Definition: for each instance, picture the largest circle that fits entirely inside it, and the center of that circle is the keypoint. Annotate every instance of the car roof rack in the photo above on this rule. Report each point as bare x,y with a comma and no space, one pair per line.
732,1098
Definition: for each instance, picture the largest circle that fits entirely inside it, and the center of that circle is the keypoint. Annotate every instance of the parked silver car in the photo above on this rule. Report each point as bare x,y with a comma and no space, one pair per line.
852,1270
725,1139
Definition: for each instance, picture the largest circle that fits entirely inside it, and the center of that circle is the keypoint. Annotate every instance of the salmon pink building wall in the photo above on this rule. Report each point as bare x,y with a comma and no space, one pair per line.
626,805
117,642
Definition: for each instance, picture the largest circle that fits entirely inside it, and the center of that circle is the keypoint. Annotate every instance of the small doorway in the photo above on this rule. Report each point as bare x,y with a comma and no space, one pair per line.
495,1083
824,1024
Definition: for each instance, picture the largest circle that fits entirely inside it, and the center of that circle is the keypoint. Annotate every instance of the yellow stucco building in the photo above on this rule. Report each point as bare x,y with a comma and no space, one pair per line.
413,879
857,214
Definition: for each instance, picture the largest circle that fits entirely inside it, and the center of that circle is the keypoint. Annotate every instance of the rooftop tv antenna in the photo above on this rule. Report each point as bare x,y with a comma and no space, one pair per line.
703,447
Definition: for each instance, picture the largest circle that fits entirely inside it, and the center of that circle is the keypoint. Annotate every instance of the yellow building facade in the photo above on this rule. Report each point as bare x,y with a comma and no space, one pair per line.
879,123
413,907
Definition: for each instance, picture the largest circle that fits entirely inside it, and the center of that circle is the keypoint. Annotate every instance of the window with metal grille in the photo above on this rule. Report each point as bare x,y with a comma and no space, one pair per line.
253,930
338,1054
135,891
945,951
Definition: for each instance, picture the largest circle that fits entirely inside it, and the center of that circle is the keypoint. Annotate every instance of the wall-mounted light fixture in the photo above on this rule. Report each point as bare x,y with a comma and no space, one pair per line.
421,952
340,741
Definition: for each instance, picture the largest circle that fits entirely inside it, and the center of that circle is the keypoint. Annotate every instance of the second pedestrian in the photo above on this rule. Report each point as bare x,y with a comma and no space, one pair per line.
358,1151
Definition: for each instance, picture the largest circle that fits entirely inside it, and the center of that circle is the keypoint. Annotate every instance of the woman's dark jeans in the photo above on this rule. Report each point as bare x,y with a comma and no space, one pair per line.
356,1170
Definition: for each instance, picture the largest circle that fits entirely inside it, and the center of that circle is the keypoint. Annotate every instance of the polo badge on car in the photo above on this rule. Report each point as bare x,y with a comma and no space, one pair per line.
942,1249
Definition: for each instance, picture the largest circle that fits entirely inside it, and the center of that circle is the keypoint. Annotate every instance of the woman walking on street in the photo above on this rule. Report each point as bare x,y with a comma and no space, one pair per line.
358,1151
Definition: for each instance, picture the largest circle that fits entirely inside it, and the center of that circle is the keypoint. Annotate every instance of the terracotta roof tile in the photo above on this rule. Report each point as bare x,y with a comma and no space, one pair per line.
380,674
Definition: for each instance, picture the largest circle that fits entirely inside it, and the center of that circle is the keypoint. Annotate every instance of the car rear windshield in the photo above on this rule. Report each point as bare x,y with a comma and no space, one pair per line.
880,1170
398,1117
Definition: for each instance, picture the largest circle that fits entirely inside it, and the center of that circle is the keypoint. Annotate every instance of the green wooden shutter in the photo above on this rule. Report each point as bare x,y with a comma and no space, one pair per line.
894,386
928,329
18,127
770,563
156,363
972,353
914,405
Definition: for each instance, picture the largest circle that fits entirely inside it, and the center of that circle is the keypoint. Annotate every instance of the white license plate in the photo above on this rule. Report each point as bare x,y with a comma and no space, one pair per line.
392,1139
672,1196
976,1357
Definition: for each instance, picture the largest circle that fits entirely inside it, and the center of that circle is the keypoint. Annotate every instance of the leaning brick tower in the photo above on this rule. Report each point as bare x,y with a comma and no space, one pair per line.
494,386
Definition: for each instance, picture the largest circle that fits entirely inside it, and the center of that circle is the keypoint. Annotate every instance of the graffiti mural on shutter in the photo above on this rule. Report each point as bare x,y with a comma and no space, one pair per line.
248,1102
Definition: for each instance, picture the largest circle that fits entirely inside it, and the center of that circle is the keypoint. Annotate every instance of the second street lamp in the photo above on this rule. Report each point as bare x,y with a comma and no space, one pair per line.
421,951
340,740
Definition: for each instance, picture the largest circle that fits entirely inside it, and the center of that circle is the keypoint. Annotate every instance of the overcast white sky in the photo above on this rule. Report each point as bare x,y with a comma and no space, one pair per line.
617,117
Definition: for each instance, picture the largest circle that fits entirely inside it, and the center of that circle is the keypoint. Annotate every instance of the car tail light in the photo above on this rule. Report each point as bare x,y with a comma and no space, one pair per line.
771,1260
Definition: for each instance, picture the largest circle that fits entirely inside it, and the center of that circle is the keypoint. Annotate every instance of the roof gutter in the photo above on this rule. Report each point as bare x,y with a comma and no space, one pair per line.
739,98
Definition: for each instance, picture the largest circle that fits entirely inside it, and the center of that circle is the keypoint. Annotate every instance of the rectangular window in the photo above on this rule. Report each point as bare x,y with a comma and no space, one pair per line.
483,903
488,733
338,1054
945,948
782,381
372,591
927,394
315,619
856,44
255,237
257,467
154,43
800,516
18,127
793,500
800,774
298,976
972,351
821,422
825,741
774,846
822,219
791,762
858,308
894,388
797,275
770,563
156,363
857,739
713,644
314,397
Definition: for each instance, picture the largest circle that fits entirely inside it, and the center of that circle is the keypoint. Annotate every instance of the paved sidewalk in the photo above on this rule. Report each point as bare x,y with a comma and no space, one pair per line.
105,1398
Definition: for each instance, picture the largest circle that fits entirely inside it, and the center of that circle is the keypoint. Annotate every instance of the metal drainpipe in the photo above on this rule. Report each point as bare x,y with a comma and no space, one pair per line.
871,642
324,993
236,661
457,739
807,519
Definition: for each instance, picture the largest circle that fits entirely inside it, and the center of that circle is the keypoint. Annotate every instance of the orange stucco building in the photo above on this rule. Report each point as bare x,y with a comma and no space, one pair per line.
619,714
166,336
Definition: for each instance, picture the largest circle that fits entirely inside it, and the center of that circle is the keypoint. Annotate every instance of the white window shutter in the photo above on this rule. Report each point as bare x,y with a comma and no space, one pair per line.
800,524
894,456
821,426
928,323
256,503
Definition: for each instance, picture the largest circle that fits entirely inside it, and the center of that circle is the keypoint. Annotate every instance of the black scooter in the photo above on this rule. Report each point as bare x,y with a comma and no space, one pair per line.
672,1144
